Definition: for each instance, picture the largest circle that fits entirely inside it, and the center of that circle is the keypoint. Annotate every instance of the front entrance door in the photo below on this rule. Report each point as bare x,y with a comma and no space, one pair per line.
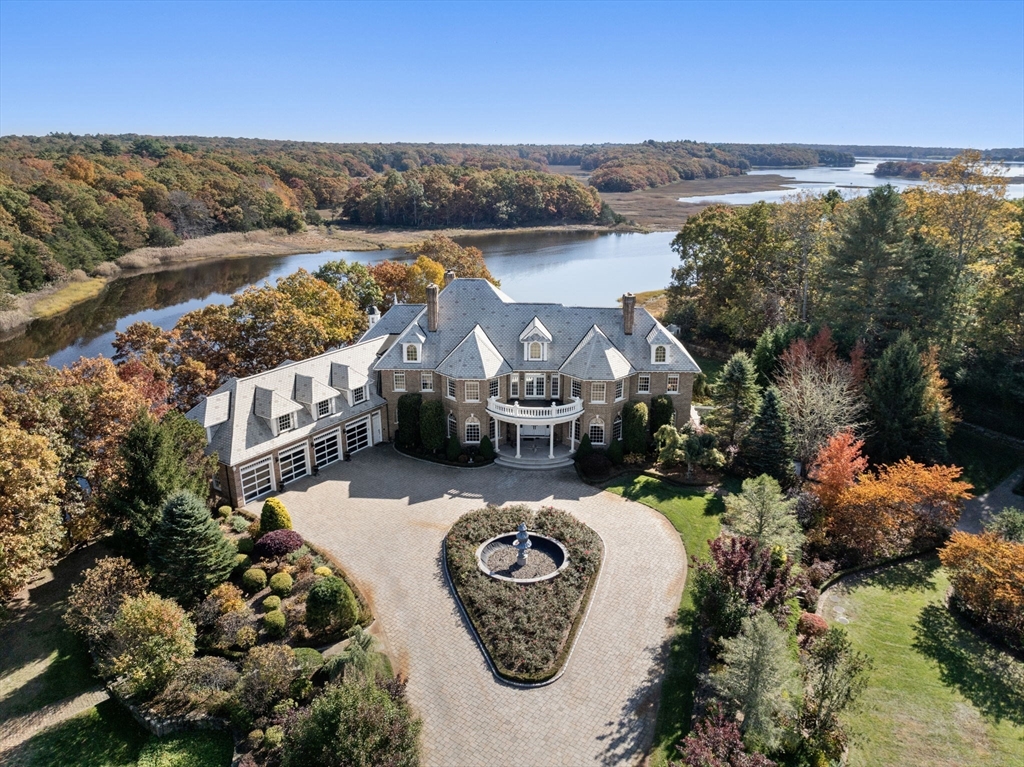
377,434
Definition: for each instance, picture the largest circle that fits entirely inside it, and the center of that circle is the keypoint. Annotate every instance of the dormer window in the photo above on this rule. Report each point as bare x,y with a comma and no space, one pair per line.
323,408
660,353
535,351
284,422
358,395
412,353
535,339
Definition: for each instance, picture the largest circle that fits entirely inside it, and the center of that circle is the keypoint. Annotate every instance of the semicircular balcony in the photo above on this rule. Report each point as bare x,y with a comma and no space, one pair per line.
537,415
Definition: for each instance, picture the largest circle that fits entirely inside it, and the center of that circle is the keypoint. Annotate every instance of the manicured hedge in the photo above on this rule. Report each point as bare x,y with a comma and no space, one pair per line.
663,411
432,428
409,420
527,629
274,516
634,427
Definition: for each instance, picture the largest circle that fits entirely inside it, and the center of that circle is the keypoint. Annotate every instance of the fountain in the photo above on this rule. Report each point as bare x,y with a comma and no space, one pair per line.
522,557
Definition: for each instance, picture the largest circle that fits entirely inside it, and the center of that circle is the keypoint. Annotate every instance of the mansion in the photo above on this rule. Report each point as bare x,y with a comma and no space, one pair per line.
533,377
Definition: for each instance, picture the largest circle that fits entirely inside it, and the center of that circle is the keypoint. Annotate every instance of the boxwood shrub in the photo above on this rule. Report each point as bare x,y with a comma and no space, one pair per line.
527,629
272,602
245,545
254,579
242,562
331,606
274,623
281,584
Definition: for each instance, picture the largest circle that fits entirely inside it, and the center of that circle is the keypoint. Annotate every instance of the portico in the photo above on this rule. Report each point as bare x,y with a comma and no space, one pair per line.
531,419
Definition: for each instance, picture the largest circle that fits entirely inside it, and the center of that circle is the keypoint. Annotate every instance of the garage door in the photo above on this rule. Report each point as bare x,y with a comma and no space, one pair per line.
357,435
257,480
327,448
293,464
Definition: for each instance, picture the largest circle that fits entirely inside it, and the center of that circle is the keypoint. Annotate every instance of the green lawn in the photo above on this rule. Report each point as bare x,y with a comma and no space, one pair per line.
986,462
697,517
938,694
107,736
711,367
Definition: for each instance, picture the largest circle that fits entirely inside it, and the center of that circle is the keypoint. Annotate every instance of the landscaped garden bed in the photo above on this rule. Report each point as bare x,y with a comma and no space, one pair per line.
527,630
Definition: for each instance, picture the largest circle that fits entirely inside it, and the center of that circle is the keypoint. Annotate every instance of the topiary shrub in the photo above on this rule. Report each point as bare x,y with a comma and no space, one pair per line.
245,545
274,516
331,605
595,466
811,626
454,449
242,563
224,512
432,425
274,623
615,452
585,448
281,584
634,427
254,579
271,603
409,421
277,544
486,448
323,571
663,412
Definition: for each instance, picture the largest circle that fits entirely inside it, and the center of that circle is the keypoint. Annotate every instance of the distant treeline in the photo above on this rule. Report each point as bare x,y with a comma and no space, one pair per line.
904,169
1008,154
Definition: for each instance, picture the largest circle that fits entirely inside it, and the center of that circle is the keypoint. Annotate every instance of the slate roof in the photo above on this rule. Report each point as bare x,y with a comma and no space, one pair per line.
395,320
244,434
474,359
596,359
467,303
213,410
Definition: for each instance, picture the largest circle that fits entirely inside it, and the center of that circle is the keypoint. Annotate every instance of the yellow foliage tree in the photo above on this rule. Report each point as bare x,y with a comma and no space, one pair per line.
987,573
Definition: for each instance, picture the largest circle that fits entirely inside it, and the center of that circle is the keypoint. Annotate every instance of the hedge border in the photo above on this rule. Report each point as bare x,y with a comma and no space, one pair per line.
562,662
443,462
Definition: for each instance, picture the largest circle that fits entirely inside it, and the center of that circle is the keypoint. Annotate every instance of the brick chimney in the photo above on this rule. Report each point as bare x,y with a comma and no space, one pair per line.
448,277
628,308
432,291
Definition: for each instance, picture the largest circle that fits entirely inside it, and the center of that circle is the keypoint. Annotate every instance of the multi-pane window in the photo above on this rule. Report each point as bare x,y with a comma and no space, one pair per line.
576,429
358,395
596,432
577,388
451,388
660,354
493,388
412,353
323,408
284,422
619,389
473,392
453,426
536,351
426,382
513,385
472,429
554,386
643,383
617,427
399,380
673,384
492,429
597,391
534,385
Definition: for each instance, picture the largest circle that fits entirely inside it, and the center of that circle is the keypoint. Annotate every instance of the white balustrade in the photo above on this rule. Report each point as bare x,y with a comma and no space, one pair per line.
517,412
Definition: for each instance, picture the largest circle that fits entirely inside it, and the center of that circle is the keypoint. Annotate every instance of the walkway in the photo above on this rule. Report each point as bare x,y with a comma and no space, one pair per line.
384,516
16,731
995,500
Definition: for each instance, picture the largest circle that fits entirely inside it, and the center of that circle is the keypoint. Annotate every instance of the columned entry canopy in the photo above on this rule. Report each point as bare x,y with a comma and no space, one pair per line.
529,416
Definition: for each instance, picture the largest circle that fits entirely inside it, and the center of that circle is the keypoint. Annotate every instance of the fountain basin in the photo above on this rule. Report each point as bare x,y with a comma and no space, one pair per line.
497,558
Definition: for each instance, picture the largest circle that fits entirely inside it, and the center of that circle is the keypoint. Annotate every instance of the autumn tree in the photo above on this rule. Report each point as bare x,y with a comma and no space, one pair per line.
835,468
353,281
987,575
762,513
30,517
735,397
716,742
94,602
905,507
465,261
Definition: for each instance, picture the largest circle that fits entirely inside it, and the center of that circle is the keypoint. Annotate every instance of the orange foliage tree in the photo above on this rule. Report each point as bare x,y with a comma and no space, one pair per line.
905,507
987,573
836,466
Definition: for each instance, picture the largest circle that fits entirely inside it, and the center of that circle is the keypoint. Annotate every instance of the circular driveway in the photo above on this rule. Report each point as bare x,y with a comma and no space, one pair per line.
384,516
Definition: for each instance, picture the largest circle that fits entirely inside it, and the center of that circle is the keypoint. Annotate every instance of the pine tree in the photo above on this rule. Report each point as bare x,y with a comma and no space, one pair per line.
734,397
188,552
932,447
766,447
761,512
896,396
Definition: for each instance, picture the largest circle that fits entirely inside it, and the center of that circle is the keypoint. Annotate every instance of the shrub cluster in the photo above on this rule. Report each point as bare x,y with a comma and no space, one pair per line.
331,607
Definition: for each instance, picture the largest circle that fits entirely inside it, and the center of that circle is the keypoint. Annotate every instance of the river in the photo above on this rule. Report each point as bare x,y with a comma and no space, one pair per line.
583,269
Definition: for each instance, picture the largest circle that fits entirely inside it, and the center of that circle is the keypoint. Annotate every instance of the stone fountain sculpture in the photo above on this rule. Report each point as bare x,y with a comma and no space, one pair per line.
522,545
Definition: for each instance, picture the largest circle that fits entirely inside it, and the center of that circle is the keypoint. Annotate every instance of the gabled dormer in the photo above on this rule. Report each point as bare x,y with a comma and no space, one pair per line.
280,413
412,345
663,345
535,339
319,398
350,383
211,412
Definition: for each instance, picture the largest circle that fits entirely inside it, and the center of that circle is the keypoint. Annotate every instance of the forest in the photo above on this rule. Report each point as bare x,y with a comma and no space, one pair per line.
903,169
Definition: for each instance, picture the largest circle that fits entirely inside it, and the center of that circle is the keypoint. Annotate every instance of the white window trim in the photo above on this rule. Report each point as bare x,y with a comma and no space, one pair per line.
473,421
279,428
467,387
620,390
398,375
576,388
426,382
415,349
513,386
494,388
617,426
604,392
599,424
450,388
537,378
359,395
640,388
452,424
554,387
543,351
654,354
330,408
668,384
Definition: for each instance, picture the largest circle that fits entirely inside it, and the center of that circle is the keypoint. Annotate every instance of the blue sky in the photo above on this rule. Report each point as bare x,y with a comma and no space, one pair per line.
921,73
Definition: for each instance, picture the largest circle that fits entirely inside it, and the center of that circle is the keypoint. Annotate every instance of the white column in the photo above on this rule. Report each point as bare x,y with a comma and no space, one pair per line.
518,441
551,441
572,434
497,435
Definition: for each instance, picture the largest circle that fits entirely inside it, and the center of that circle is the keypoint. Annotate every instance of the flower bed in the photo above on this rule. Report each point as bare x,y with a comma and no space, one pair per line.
526,630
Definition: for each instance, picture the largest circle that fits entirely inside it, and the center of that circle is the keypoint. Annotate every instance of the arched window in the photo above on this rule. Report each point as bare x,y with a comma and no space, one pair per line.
472,429
412,353
660,354
596,432
617,427
453,425
536,351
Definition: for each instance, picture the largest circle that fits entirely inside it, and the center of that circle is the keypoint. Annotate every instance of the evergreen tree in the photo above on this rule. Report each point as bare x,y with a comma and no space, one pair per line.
188,552
159,457
634,427
896,397
766,447
761,512
734,397
409,420
432,426
932,448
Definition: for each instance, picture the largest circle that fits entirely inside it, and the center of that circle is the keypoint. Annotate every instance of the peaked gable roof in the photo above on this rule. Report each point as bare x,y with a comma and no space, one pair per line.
596,359
535,331
213,410
309,390
271,404
475,358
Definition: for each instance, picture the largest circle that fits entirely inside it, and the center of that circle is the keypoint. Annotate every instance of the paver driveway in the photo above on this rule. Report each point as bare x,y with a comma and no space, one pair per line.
384,516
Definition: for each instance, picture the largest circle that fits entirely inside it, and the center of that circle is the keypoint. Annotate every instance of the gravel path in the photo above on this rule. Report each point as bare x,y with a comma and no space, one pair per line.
384,517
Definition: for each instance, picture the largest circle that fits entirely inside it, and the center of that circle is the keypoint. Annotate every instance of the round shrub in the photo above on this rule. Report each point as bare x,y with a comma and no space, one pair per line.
255,739
224,512
273,737
274,623
246,637
242,562
245,545
310,660
281,584
486,448
274,516
595,465
254,579
323,572
811,625
277,543
271,603
331,604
